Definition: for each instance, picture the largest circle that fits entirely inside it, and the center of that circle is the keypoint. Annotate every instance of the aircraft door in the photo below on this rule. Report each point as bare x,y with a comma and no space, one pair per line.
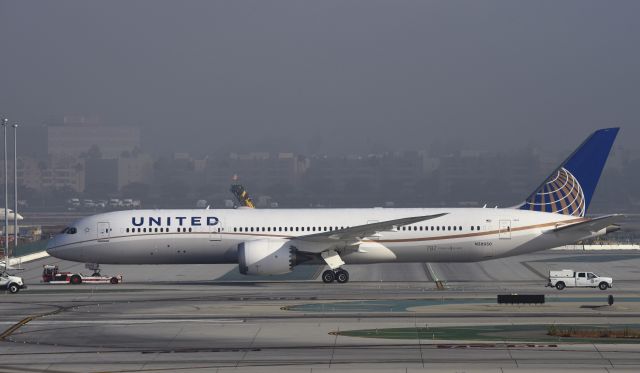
104,231
504,230
215,232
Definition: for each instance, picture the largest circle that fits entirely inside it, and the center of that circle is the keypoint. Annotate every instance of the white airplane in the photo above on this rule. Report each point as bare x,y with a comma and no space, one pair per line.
270,242
10,215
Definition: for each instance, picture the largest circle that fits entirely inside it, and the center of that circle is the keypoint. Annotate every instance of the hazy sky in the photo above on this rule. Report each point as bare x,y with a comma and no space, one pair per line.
321,76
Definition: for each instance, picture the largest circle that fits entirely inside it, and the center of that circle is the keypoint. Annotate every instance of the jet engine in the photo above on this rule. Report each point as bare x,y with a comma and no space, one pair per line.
266,257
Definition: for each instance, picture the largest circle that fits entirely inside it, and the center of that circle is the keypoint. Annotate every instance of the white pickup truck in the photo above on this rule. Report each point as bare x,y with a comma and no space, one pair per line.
571,278
11,283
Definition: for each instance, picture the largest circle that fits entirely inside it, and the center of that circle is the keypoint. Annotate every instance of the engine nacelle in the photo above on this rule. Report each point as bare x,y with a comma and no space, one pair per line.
266,257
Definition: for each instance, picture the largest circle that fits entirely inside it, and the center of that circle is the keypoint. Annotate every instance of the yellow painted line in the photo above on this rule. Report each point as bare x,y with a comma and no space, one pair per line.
7,333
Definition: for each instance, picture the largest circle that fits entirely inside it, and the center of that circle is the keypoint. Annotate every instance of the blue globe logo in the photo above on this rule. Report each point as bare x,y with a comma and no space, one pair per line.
561,193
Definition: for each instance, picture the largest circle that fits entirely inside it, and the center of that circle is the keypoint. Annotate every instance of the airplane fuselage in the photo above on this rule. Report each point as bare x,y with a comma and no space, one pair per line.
212,236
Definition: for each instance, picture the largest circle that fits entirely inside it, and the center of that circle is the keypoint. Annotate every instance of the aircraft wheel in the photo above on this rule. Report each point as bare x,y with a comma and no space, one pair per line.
75,279
342,276
560,285
114,280
328,276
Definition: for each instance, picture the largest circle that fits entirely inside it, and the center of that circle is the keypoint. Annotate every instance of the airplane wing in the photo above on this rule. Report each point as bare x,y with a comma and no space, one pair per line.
359,232
591,225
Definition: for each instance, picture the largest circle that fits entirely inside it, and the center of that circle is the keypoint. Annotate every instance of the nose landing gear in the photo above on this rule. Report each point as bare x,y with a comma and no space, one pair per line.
340,275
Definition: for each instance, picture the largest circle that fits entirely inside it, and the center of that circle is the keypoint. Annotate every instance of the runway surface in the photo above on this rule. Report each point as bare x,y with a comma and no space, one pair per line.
202,318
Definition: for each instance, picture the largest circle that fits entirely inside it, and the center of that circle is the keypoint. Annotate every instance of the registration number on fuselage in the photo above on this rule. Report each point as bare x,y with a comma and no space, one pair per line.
483,243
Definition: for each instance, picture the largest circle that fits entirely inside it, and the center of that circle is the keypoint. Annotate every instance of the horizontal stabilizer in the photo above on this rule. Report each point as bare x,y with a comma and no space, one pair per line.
591,225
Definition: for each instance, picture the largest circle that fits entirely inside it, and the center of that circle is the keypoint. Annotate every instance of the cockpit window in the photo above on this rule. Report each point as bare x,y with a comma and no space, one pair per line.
69,230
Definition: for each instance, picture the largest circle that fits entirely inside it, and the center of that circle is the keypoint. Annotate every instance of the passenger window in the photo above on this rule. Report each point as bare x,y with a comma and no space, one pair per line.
460,228
127,230
478,227
189,229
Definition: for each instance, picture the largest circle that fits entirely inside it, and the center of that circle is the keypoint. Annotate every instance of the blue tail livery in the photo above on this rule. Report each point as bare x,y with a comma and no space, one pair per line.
568,190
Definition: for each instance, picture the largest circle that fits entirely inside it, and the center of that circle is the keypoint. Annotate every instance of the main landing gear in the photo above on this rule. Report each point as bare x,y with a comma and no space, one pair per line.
338,274
335,273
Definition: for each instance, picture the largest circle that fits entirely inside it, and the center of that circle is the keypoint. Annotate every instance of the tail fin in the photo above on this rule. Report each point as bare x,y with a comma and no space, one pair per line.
568,190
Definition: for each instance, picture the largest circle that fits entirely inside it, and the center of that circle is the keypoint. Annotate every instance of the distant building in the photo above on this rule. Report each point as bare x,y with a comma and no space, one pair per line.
101,175
77,135
134,168
57,172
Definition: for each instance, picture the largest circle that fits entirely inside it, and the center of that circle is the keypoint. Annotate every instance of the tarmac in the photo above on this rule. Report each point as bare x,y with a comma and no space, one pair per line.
208,318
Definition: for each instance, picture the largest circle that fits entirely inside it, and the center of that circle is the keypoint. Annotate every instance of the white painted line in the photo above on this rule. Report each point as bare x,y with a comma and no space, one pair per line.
598,247
28,258
128,321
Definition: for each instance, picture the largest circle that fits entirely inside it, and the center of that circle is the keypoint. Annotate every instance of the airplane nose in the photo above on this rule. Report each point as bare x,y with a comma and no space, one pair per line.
51,246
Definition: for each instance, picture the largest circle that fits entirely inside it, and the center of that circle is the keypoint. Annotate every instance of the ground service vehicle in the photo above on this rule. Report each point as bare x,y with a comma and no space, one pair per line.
570,278
11,283
51,275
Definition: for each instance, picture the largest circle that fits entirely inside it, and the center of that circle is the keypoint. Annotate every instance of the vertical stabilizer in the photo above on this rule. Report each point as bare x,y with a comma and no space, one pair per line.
569,189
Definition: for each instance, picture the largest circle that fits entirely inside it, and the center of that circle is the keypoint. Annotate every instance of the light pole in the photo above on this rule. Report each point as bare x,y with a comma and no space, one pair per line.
5,121
15,188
